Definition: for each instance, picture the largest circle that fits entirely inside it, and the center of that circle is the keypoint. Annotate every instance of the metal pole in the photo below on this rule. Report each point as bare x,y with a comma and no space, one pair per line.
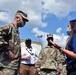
40,36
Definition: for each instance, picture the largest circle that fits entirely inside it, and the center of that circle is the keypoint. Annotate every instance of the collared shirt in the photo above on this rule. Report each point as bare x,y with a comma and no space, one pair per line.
31,52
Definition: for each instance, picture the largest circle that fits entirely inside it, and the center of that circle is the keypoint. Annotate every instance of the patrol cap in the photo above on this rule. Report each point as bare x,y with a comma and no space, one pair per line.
28,40
21,13
49,36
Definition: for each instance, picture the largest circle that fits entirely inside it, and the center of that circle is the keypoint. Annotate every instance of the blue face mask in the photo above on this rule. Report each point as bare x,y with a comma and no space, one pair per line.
68,32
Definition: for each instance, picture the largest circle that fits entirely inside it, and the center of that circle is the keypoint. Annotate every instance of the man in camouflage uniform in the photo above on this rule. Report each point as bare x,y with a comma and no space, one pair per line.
10,51
49,62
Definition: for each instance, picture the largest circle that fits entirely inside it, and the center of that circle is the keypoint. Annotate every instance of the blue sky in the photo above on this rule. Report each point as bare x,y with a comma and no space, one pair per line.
45,16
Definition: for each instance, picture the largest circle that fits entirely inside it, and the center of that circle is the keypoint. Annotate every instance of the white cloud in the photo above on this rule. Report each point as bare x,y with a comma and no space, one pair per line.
59,8
39,33
59,30
43,24
4,16
32,7
58,38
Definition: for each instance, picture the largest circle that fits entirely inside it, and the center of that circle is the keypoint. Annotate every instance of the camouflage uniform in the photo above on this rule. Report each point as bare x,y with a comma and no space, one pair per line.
9,40
63,61
49,61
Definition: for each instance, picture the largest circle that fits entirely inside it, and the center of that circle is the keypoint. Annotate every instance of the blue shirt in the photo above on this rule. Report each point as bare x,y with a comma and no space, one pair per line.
72,47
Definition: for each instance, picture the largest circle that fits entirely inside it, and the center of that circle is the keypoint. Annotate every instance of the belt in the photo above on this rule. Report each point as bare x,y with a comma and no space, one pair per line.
71,67
30,64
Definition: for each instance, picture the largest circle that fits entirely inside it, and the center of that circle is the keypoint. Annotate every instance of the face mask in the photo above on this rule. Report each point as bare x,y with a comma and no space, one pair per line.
21,23
68,32
49,43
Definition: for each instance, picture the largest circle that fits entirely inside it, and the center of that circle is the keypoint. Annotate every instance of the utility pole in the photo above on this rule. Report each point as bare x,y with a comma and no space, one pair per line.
39,36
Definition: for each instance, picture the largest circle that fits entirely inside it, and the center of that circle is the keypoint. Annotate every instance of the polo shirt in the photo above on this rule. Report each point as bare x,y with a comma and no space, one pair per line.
32,52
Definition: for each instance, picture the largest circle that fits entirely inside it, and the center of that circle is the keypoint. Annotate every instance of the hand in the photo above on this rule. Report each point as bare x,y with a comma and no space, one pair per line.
25,57
28,57
58,72
38,70
55,45
11,55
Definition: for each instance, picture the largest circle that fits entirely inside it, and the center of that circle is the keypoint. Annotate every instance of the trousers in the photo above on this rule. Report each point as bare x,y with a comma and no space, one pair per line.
27,69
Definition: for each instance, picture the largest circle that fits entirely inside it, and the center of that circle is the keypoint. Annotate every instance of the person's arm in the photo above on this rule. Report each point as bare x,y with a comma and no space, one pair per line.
55,45
5,33
39,61
25,57
67,52
71,54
